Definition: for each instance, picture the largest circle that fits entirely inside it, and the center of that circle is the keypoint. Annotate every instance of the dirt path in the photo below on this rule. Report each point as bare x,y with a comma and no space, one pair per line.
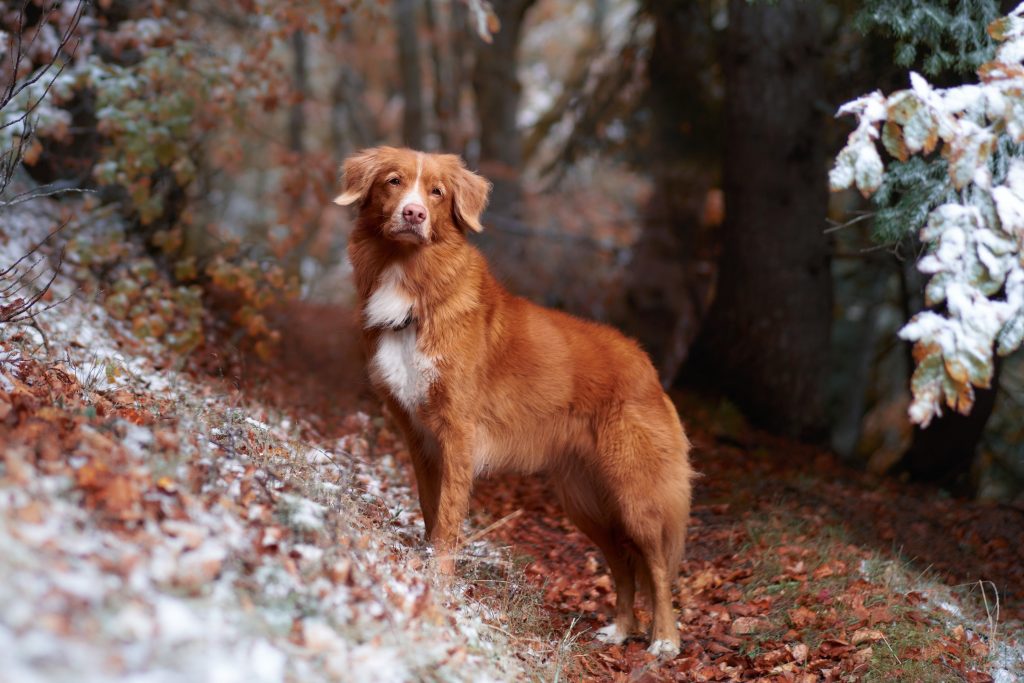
797,569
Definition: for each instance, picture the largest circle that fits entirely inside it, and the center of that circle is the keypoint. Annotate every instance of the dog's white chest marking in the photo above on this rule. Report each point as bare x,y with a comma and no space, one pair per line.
390,304
398,362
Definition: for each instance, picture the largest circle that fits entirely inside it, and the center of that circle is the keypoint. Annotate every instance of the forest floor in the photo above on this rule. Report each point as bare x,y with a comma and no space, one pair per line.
226,518
798,567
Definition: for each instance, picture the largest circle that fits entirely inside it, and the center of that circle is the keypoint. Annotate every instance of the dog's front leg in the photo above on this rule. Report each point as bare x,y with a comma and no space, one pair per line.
456,483
428,485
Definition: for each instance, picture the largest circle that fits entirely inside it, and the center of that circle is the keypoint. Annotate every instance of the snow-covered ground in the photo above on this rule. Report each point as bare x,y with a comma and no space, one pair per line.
154,529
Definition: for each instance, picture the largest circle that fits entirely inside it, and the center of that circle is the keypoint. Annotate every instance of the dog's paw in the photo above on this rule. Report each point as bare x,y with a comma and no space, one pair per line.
663,648
610,635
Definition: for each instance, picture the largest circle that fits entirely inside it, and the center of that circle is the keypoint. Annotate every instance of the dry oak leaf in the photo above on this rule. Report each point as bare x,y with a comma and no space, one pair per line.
121,498
801,617
774,658
799,651
866,635
881,615
834,648
862,657
704,580
745,626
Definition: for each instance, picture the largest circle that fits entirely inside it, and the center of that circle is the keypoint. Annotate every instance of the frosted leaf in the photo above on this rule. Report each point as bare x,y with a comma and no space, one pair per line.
997,267
995,103
921,131
998,244
907,109
921,86
894,142
1010,204
926,385
970,150
967,99
935,290
982,177
869,109
1015,177
859,162
841,175
1014,118
922,325
1012,32
946,217
868,169
1012,335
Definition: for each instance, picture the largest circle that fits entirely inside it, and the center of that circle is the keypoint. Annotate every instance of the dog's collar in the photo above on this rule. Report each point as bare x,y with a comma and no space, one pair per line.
409,320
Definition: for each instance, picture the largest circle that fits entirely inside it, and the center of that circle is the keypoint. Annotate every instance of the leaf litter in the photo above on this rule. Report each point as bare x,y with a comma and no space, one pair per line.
240,519
158,527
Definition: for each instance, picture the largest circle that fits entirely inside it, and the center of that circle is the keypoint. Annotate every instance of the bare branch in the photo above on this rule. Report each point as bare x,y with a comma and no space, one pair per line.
40,192
14,88
835,226
21,309
34,249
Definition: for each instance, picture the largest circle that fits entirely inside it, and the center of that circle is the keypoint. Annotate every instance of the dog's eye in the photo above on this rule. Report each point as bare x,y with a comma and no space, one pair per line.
395,181
437,192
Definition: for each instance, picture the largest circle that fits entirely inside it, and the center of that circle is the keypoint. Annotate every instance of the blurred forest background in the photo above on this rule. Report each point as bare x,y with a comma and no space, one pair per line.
658,164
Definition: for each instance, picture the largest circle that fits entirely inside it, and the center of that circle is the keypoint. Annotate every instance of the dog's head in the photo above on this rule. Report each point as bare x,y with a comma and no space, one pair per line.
414,197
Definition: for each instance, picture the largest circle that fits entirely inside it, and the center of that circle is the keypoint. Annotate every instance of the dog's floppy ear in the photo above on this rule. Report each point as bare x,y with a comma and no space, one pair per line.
469,198
358,173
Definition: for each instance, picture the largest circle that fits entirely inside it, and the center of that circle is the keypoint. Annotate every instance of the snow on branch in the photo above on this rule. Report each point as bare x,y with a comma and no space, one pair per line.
974,238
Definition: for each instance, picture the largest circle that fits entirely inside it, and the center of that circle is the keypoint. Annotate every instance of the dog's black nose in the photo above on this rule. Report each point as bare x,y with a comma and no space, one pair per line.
414,214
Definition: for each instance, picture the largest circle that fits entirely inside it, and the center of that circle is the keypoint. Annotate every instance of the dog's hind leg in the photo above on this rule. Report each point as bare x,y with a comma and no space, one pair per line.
664,632
578,503
651,479
624,574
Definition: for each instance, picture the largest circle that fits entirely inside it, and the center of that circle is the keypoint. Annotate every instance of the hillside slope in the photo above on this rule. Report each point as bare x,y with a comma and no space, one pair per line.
222,518
157,525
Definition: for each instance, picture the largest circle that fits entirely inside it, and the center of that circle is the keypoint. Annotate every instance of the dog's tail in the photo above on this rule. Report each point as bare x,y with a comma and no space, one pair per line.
678,519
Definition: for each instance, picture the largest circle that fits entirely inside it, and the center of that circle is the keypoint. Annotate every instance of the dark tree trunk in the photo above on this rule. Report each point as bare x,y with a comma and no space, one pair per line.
409,68
352,125
497,89
666,291
943,452
300,76
766,340
461,72
446,84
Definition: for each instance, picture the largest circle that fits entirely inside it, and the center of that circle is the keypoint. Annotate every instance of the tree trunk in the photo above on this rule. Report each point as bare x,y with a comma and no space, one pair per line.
666,290
446,85
497,89
943,452
461,36
413,126
300,76
352,124
766,341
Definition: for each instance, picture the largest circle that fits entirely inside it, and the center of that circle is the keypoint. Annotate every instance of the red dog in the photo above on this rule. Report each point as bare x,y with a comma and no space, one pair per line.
483,381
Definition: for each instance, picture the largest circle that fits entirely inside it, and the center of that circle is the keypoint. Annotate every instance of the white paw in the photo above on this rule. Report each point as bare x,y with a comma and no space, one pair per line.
610,635
663,648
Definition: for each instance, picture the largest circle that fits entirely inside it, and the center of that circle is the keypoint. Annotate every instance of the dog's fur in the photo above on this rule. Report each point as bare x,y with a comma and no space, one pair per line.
481,381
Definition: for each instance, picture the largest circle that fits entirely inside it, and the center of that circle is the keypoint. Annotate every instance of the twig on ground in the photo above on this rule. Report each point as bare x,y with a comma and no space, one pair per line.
567,641
476,536
993,623
895,656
